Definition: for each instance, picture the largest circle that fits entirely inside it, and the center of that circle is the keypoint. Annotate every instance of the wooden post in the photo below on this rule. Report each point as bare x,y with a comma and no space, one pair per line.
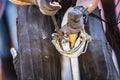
38,59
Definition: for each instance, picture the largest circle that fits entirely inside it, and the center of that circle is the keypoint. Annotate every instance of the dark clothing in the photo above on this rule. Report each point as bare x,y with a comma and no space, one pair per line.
5,55
39,60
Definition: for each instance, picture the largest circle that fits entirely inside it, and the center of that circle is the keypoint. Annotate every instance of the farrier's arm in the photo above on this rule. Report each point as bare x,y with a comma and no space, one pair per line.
45,6
51,10
78,16
86,3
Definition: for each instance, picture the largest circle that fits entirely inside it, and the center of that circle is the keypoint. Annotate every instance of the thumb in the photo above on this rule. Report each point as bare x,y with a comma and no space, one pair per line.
55,5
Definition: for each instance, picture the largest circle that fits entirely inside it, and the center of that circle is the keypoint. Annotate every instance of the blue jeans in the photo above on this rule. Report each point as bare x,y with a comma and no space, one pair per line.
11,15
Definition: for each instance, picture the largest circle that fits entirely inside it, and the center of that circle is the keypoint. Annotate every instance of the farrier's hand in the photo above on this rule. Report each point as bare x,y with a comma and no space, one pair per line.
75,21
48,8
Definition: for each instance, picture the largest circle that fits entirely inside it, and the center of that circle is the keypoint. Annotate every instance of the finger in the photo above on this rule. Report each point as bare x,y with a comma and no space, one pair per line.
51,7
47,12
75,25
55,5
74,15
73,31
67,29
48,5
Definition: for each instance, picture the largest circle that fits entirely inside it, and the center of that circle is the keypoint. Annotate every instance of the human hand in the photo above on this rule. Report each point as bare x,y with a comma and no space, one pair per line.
76,20
48,8
45,6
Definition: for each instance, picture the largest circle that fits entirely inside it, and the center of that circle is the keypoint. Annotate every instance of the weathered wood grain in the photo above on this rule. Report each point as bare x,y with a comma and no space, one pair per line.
38,58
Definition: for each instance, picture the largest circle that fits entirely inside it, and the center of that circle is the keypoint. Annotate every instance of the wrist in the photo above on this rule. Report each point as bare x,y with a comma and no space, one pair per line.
83,12
82,9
